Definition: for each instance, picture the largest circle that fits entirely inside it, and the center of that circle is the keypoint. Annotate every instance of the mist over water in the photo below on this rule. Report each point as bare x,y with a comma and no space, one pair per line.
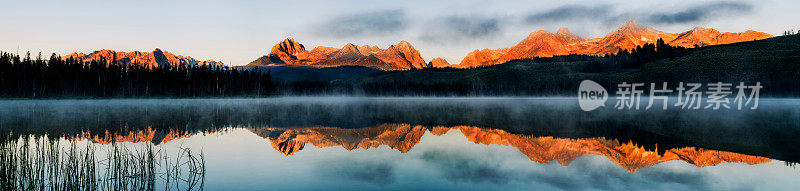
775,124
246,128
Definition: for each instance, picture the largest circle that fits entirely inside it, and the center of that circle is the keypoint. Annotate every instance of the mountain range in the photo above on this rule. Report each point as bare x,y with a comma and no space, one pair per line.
404,56
628,36
401,56
157,58
137,136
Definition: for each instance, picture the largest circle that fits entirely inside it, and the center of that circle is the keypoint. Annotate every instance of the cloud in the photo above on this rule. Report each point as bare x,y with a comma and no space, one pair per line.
369,23
701,12
451,29
592,173
472,27
605,13
375,172
570,12
457,167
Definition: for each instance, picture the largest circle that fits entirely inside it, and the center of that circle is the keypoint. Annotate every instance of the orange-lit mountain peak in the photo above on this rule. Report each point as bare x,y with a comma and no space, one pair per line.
632,25
483,57
750,35
323,50
632,28
565,33
288,46
367,50
539,33
348,50
288,147
698,36
404,45
410,55
630,35
438,63
439,130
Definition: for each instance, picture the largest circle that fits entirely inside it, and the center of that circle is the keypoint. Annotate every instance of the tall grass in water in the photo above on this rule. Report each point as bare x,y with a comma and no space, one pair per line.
40,163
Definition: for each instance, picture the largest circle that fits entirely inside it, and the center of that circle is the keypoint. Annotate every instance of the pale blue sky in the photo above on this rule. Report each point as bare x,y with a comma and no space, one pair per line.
237,32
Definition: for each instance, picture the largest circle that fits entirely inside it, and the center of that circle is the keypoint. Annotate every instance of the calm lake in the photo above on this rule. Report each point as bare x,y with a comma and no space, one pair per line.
359,143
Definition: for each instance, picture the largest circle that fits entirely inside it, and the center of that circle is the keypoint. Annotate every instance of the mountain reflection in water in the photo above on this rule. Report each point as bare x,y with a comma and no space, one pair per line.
403,137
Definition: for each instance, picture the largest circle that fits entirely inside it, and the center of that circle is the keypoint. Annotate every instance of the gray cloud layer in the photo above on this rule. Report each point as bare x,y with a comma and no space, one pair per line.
457,29
603,13
701,12
457,167
453,29
369,23
570,12
471,27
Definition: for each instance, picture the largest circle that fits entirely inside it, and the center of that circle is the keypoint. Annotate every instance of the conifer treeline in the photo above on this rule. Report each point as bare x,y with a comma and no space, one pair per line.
54,77
623,59
647,53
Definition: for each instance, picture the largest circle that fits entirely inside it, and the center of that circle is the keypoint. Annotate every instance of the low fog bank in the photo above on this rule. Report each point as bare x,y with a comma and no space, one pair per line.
773,129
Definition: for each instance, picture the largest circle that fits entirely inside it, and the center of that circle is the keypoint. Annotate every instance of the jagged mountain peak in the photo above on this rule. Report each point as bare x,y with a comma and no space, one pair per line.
632,24
698,36
288,46
702,30
438,63
349,49
538,33
404,45
564,31
633,28
563,34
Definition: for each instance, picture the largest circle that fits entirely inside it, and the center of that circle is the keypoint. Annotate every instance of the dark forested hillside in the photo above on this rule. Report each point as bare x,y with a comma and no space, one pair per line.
312,74
774,62
56,78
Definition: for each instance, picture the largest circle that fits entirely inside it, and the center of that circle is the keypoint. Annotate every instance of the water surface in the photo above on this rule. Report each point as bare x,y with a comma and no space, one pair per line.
333,143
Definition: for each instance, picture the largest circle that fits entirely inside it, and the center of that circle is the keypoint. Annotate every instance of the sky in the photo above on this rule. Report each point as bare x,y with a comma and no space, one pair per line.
237,32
